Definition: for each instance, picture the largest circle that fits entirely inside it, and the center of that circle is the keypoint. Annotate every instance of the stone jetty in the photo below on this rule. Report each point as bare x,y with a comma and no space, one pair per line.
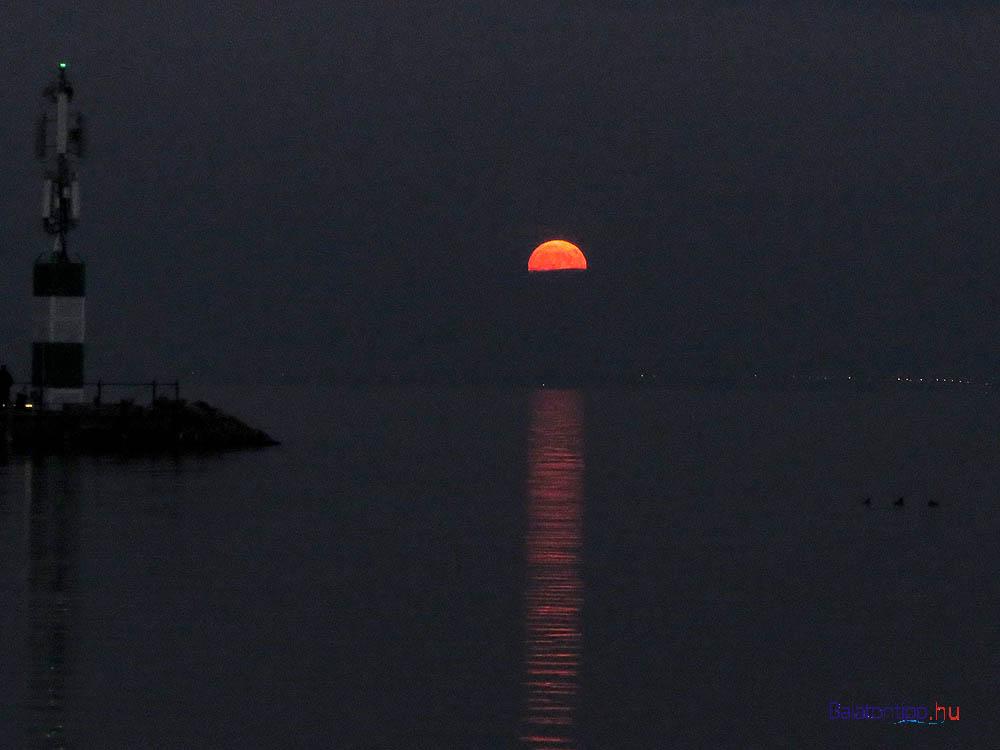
165,425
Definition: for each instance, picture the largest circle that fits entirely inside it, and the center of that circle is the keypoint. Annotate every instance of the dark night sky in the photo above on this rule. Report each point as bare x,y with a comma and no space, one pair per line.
323,190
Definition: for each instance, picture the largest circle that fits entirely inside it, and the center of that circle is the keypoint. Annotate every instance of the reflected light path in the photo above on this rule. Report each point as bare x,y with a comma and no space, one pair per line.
51,495
554,588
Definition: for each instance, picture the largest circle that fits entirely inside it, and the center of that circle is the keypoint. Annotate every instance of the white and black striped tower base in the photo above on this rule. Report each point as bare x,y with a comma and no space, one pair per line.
59,323
57,351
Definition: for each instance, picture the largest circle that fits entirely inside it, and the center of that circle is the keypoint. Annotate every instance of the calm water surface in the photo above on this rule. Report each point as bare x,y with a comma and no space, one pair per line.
420,568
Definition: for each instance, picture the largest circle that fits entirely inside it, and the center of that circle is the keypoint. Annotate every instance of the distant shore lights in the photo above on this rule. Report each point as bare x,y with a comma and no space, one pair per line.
557,255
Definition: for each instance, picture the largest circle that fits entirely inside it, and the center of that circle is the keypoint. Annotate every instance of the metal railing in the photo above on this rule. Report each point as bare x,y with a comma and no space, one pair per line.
154,386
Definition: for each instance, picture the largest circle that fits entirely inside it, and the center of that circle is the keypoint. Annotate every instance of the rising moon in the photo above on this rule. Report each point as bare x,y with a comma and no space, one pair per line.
557,255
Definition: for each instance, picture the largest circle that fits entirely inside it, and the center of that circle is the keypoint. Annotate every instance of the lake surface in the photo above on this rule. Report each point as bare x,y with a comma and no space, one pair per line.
460,568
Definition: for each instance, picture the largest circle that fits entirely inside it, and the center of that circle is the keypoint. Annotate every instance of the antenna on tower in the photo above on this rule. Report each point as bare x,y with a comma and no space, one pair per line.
76,136
61,193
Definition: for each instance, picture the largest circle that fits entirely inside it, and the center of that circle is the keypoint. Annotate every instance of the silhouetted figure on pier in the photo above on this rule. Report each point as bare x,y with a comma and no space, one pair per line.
6,381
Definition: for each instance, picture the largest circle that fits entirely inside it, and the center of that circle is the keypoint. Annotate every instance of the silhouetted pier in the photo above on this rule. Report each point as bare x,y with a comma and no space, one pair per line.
164,424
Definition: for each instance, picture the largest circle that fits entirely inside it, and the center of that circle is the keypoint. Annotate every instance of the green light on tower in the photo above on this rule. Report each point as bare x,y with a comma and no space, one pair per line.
62,65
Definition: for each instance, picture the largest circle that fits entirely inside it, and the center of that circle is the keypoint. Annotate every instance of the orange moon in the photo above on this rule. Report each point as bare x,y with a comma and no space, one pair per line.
557,255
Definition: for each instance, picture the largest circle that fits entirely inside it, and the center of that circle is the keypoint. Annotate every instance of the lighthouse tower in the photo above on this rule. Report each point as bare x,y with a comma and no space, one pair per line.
58,315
